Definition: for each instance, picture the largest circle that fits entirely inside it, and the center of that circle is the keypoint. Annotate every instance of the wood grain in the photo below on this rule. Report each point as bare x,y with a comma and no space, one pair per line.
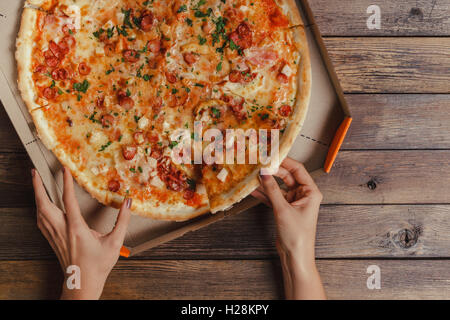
413,231
405,121
241,279
388,177
391,65
398,18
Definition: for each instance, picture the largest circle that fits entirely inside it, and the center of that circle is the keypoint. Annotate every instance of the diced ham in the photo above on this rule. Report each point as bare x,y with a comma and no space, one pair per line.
109,49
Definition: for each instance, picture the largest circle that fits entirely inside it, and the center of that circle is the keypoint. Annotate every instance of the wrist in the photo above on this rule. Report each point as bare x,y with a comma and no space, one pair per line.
300,263
89,290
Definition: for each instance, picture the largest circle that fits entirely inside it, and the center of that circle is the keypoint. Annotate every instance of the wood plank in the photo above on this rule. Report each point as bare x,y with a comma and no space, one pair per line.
405,121
391,65
225,279
343,232
15,180
398,18
358,177
388,177
10,139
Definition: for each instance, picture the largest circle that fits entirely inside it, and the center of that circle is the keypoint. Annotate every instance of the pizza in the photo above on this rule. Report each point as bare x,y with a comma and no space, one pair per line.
109,82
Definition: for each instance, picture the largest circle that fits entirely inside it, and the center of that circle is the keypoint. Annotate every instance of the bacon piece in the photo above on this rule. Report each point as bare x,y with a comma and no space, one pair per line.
60,74
84,69
49,93
241,77
285,110
113,185
261,56
147,21
131,55
173,178
171,77
129,152
190,58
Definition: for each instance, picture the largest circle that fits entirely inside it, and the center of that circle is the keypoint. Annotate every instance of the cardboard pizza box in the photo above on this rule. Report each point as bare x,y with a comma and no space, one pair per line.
317,145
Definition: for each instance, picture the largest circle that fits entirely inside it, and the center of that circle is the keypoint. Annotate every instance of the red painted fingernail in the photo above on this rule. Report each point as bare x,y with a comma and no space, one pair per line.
129,201
33,172
64,169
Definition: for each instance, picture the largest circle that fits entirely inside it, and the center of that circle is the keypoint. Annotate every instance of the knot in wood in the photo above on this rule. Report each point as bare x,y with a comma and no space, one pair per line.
372,185
407,238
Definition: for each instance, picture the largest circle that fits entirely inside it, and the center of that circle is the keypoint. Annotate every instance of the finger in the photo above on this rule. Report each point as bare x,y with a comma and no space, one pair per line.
273,192
70,201
40,194
298,171
261,197
123,219
287,177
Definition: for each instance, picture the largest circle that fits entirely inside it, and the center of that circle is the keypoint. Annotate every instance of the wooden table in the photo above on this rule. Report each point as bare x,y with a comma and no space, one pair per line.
387,200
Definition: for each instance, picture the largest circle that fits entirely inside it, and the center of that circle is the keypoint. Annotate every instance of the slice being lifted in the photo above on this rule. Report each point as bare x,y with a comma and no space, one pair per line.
108,82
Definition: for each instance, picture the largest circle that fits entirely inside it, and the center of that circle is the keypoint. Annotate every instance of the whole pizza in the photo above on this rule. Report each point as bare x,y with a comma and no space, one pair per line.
109,82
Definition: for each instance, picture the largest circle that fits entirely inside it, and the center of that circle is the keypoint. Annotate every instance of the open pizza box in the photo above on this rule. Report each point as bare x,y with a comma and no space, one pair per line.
317,145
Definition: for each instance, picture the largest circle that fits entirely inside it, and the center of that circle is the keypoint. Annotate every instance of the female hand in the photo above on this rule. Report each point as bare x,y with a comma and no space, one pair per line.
75,243
296,211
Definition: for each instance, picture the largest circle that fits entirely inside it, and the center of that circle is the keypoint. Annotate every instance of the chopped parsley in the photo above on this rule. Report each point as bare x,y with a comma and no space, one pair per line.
81,87
201,40
103,147
182,8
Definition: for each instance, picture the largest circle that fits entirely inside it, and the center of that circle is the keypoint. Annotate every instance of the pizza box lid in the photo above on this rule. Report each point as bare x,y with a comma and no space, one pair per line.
316,146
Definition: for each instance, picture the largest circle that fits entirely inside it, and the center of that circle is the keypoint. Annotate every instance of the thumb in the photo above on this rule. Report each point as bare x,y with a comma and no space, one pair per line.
273,192
120,230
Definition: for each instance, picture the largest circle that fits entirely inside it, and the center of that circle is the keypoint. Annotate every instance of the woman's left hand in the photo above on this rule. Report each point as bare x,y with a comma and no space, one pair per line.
74,243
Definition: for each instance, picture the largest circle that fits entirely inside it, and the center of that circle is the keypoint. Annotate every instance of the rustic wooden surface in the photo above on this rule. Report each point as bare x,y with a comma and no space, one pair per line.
387,199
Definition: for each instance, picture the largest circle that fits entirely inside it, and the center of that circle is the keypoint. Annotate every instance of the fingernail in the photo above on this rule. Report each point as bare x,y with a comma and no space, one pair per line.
33,172
129,201
262,176
64,169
